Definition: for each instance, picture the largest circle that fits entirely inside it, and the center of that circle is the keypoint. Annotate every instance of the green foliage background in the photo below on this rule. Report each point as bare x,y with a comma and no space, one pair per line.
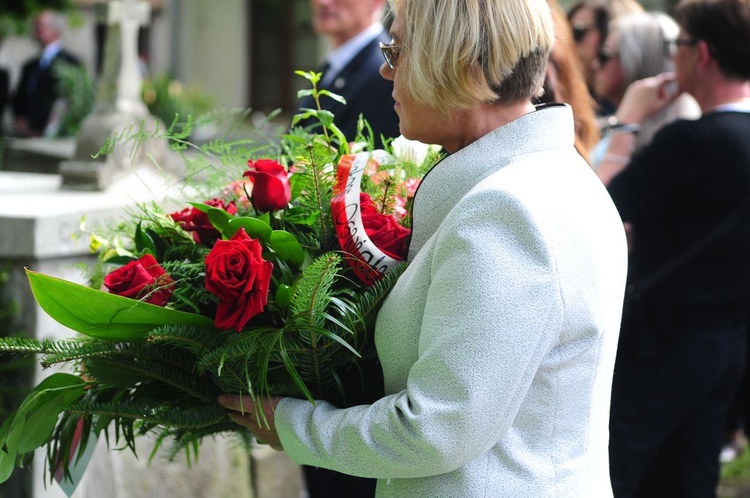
14,14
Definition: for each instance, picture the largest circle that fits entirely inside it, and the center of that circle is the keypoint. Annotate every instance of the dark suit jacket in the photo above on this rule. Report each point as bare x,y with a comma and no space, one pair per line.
365,91
687,181
34,101
4,93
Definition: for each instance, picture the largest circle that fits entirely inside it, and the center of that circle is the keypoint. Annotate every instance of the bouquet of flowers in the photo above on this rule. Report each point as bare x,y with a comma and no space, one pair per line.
267,287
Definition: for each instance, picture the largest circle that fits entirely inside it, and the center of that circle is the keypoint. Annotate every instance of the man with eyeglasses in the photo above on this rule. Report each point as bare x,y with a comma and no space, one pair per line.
686,196
354,30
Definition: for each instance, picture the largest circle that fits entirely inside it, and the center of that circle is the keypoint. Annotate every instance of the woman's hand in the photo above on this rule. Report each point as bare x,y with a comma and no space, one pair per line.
244,413
646,97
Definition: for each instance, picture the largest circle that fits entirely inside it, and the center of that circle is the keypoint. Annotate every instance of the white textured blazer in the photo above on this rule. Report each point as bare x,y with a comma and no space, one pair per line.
498,342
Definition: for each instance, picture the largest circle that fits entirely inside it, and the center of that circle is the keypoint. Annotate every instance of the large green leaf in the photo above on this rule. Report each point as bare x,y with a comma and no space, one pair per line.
41,408
103,315
33,424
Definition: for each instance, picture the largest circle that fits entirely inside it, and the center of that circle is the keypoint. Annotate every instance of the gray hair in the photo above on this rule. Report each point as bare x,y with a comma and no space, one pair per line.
646,44
646,47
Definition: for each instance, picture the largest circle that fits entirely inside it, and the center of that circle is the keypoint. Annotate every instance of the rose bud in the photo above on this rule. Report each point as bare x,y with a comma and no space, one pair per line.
271,189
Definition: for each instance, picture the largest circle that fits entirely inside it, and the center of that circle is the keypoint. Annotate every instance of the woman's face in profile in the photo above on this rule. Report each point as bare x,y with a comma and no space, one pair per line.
587,37
416,121
609,79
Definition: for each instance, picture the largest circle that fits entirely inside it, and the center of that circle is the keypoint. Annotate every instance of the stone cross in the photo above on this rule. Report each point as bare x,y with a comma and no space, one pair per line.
118,104
131,15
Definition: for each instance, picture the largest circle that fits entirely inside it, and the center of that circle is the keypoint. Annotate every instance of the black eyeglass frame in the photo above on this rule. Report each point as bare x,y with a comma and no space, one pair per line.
391,52
580,30
685,42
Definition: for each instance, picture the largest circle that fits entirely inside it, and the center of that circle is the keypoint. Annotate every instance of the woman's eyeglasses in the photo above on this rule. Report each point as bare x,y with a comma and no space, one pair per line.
391,53
580,30
603,55
687,42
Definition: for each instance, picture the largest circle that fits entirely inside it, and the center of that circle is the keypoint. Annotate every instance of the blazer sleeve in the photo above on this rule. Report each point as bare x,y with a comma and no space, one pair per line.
493,310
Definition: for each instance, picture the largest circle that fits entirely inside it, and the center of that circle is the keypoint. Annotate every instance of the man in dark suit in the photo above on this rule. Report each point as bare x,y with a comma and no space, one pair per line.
351,67
4,92
37,90
685,193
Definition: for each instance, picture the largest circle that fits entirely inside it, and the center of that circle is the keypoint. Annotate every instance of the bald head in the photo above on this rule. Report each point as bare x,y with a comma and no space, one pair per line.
47,27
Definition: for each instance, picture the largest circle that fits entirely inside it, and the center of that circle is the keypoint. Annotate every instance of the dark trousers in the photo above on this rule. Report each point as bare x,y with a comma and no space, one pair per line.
324,483
668,416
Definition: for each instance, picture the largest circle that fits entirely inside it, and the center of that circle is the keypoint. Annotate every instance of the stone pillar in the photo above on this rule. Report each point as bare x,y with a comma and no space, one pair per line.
119,108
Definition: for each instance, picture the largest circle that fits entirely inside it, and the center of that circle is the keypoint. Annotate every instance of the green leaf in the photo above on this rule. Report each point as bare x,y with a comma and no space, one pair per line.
33,423
254,227
287,246
303,114
103,315
7,456
283,296
334,96
325,117
312,76
39,413
221,220
143,240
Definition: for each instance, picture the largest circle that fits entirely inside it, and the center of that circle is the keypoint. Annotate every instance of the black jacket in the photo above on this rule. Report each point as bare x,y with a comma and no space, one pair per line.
37,91
687,181
365,91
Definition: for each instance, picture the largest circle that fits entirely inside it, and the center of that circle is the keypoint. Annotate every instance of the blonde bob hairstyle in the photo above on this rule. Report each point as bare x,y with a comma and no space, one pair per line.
457,53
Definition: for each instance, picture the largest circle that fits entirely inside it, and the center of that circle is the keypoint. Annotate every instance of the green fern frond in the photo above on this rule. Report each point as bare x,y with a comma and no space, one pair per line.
313,289
77,350
153,415
315,177
24,345
163,369
197,340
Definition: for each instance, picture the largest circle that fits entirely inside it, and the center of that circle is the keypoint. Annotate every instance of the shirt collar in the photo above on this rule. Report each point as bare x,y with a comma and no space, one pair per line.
339,57
50,51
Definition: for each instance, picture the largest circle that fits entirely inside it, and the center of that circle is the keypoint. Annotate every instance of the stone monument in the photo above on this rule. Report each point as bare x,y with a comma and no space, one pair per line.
119,109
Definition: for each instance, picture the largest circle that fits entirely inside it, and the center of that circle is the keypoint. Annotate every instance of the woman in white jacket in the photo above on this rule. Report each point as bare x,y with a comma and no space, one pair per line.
498,342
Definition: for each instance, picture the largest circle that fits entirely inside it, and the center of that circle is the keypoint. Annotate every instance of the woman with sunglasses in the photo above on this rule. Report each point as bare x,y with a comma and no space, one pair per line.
637,46
589,22
498,341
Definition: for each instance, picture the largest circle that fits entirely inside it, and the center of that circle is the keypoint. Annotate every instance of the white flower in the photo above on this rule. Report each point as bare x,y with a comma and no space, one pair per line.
410,151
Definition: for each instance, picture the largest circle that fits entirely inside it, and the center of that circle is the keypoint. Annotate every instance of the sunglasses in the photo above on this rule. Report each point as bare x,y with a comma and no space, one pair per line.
603,55
391,53
580,30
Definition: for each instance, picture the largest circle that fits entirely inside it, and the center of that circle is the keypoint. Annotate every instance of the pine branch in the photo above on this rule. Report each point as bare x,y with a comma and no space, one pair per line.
317,179
164,368
153,415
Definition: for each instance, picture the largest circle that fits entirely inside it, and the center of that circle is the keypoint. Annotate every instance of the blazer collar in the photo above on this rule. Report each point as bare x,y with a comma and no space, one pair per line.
549,127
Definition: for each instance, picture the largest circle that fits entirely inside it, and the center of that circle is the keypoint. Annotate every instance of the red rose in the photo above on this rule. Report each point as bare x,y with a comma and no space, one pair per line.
141,278
271,189
238,275
384,230
196,221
